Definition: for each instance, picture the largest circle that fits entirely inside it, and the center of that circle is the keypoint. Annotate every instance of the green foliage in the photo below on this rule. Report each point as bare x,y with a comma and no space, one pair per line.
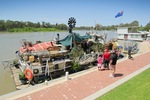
147,26
21,76
142,28
31,29
97,47
17,26
75,53
134,23
20,26
76,66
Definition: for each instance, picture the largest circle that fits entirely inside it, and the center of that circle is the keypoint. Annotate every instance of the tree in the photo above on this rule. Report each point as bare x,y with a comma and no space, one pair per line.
48,25
9,24
134,26
2,27
61,26
98,26
18,24
43,24
37,25
135,23
148,26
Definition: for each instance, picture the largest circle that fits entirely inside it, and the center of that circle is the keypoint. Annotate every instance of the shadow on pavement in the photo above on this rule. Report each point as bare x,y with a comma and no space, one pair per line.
118,75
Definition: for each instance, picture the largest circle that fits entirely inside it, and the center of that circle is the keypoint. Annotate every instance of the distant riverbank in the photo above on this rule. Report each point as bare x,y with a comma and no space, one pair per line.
31,29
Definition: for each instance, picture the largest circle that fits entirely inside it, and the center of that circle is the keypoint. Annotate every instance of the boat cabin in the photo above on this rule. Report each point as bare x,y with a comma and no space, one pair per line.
124,34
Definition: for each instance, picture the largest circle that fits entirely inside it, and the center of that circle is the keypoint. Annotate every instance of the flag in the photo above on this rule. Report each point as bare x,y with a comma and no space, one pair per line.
119,14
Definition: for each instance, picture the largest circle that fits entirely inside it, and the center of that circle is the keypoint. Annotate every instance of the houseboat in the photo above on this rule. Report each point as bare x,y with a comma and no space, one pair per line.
124,34
37,62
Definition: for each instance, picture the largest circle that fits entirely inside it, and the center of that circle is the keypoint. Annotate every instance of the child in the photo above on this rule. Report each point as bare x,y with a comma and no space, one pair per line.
100,61
106,57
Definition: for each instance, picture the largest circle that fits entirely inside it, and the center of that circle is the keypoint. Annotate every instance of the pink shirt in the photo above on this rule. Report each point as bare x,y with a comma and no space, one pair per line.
100,60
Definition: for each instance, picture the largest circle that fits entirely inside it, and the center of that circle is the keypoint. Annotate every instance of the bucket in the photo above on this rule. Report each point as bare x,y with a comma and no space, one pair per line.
31,58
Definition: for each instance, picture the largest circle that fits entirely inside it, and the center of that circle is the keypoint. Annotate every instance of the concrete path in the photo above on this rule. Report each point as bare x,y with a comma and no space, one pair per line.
87,85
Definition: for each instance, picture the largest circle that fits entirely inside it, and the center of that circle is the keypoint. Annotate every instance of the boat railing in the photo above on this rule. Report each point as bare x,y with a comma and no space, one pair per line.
23,65
47,68
8,63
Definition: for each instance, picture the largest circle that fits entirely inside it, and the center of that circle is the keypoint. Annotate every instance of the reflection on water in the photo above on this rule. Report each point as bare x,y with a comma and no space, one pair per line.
9,43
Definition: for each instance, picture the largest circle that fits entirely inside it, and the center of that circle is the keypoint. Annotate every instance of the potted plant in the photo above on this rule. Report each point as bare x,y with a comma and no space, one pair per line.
22,78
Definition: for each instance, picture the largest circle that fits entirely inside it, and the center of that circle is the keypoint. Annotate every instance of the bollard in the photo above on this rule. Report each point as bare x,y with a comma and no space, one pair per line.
46,82
67,75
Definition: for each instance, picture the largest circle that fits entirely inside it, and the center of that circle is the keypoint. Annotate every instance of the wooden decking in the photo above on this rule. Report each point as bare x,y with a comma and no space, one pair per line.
15,74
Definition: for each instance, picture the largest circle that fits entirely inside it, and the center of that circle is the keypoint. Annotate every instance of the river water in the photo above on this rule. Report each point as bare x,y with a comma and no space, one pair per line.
10,43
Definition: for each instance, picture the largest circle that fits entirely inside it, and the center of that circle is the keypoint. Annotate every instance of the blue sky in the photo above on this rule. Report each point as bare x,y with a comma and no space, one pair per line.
86,12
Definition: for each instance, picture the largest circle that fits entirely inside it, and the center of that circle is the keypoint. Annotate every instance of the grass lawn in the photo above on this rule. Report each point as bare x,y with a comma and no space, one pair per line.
137,88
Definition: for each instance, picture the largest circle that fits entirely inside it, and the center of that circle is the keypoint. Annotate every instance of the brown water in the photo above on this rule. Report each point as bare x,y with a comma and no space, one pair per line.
10,43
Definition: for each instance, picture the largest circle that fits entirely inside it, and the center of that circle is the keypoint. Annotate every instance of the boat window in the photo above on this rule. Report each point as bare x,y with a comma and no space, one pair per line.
125,36
132,35
142,36
136,36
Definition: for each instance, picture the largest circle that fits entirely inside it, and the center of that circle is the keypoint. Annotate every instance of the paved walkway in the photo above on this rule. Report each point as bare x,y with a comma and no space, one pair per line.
87,85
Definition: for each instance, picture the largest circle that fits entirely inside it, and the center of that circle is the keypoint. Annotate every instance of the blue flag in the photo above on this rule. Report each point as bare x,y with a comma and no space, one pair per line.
119,14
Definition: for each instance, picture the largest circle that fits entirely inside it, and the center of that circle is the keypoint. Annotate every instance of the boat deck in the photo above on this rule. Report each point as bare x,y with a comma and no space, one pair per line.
15,74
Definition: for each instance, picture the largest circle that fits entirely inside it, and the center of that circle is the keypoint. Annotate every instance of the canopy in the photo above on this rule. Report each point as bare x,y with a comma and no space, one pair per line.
73,37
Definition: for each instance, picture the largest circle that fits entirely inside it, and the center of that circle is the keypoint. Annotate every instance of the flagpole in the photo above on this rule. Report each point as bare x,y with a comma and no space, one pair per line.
121,19
120,14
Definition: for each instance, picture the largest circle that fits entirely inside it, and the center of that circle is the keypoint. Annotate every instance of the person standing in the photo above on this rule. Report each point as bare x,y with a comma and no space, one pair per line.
57,39
113,62
129,52
100,61
106,58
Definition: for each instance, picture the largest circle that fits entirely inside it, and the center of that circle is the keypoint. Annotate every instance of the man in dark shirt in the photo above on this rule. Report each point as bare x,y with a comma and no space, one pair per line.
129,52
113,62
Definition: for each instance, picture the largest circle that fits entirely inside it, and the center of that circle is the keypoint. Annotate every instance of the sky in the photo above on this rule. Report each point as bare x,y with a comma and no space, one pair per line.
86,12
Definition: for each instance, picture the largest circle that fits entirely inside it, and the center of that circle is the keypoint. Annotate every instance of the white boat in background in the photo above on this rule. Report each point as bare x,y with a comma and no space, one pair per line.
100,38
92,33
124,34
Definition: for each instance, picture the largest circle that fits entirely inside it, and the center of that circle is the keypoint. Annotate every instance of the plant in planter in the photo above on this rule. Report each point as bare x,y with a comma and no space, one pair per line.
22,78
97,47
76,67
75,53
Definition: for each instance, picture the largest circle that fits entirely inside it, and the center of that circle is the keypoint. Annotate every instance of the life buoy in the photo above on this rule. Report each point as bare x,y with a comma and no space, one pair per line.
28,74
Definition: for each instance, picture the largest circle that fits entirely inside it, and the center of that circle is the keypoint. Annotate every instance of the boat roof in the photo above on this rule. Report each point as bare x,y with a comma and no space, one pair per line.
124,30
138,33
37,47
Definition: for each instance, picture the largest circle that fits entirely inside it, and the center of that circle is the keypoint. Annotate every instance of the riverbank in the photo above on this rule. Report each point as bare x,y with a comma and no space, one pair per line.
30,29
